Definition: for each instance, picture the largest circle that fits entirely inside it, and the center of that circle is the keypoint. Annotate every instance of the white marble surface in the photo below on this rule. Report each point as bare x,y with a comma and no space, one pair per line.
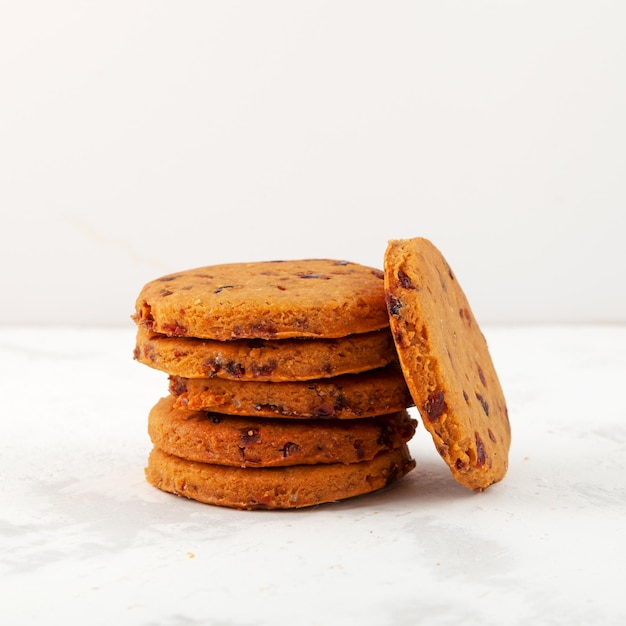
83,538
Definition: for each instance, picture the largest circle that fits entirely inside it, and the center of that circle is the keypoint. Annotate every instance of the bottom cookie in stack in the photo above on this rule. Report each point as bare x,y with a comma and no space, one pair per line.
269,463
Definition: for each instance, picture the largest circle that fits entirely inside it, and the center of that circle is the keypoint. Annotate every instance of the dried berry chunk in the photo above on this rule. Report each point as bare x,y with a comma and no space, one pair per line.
266,369
168,278
178,385
290,448
174,329
386,436
483,403
394,305
405,281
481,375
249,435
465,315
273,408
312,275
324,410
435,405
358,448
220,289
264,329
211,367
481,457
234,369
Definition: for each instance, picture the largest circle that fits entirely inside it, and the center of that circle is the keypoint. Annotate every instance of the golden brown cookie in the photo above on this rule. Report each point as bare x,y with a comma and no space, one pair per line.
275,487
342,397
266,300
263,359
446,363
266,442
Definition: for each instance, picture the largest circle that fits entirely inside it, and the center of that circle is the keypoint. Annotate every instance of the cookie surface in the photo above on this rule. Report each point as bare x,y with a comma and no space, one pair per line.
266,300
259,442
348,396
446,363
264,359
275,487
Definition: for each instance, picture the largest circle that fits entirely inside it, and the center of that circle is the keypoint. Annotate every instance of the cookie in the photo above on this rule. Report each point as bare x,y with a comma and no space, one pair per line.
264,359
265,300
341,397
446,363
275,487
266,442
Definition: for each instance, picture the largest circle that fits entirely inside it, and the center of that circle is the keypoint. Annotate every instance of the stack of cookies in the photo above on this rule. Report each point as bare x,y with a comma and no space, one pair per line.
284,385
289,381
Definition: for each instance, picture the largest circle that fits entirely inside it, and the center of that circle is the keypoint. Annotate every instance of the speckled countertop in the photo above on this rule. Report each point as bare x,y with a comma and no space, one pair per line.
83,537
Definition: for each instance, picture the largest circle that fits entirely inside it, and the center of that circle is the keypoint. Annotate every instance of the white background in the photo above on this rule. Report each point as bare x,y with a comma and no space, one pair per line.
140,138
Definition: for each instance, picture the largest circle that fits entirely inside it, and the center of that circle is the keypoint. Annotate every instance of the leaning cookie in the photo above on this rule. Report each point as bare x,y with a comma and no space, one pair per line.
264,359
265,442
446,363
265,300
342,397
291,487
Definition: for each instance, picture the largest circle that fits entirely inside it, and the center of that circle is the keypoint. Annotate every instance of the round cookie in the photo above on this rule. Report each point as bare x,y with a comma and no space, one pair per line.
291,487
266,442
341,397
266,300
264,359
446,363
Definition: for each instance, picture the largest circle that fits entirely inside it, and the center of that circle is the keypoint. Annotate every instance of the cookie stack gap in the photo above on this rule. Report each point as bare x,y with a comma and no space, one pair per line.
284,389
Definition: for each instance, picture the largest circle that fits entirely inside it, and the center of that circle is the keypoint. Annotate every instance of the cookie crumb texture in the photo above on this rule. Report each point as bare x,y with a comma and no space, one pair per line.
266,300
446,363
292,487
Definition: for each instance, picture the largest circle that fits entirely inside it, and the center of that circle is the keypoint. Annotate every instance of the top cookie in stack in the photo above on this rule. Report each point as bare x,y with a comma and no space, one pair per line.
270,359
268,300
